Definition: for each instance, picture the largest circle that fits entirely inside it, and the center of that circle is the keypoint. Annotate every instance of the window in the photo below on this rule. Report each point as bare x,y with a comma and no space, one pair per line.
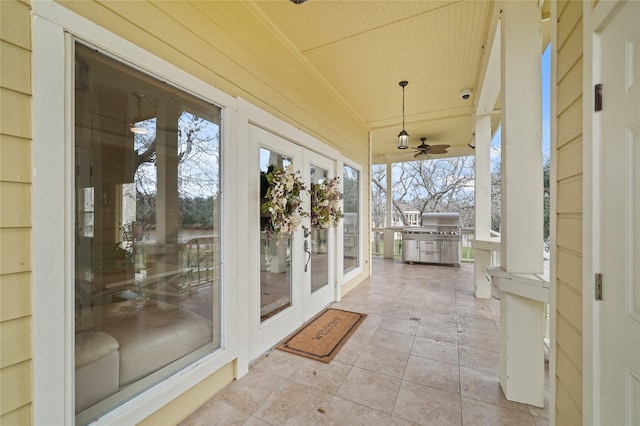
147,243
351,205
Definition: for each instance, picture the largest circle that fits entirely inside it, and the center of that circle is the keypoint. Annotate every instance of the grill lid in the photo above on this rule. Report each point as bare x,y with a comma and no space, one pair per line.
440,219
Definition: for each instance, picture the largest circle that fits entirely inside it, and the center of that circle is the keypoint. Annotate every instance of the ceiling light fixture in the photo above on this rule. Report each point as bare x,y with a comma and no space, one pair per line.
135,129
403,136
298,1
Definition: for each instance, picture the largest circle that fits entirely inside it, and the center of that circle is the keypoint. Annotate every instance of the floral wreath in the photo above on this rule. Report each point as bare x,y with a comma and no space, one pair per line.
325,204
283,203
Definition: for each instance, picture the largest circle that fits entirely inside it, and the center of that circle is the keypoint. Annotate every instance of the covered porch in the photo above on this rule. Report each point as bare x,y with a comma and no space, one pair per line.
428,353
432,349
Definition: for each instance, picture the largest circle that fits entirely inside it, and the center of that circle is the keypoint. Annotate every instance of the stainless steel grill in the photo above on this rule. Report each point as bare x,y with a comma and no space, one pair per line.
436,240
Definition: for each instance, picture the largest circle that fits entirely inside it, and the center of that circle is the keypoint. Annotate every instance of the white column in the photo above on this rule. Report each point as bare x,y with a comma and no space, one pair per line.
165,251
389,196
388,235
521,319
522,349
482,258
522,209
167,206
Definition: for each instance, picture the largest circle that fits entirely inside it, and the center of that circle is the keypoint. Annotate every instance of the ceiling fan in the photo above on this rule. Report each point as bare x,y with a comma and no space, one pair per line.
424,149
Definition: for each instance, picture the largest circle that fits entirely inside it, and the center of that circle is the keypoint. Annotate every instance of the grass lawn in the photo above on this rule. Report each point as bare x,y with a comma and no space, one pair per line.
380,251
467,253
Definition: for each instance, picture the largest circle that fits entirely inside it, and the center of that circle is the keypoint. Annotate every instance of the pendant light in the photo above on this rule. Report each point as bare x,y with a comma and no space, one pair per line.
135,129
403,136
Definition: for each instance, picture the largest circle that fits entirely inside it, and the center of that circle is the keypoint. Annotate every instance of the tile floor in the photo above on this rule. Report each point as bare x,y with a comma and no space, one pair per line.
427,354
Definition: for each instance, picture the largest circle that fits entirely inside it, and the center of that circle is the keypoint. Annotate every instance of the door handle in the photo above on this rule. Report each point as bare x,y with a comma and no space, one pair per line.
308,252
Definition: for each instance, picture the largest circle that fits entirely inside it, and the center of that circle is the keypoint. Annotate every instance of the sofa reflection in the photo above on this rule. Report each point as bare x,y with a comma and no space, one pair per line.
134,321
130,342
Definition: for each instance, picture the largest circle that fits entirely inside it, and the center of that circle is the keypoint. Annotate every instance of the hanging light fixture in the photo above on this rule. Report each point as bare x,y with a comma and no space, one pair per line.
135,129
403,136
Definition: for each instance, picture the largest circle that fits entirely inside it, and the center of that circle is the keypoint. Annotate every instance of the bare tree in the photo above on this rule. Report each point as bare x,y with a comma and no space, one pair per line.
496,199
403,182
435,186
378,194
198,166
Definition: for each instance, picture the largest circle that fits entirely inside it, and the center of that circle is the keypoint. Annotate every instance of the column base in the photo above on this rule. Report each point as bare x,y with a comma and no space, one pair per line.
522,349
521,336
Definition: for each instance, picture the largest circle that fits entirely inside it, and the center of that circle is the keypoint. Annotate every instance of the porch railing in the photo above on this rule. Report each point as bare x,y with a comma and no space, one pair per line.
466,251
377,242
199,262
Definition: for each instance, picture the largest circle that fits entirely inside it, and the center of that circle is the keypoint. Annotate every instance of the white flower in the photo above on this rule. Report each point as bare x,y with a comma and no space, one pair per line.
283,199
326,210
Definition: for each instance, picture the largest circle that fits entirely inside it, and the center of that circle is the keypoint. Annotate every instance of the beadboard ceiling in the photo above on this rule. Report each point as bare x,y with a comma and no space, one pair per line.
363,49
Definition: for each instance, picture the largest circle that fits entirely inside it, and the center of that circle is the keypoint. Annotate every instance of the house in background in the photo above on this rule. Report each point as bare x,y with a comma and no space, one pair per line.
411,217
121,120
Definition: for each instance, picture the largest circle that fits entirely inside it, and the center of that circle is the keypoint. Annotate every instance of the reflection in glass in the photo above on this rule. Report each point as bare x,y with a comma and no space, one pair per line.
351,219
85,203
147,267
319,245
275,249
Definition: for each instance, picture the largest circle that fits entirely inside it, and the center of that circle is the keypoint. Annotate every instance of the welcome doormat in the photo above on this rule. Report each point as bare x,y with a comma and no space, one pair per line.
322,338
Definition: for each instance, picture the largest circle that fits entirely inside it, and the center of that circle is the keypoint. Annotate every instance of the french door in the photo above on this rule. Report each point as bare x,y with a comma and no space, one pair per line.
294,274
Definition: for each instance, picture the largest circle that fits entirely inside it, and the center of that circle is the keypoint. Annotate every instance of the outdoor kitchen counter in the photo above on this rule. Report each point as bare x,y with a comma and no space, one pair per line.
436,240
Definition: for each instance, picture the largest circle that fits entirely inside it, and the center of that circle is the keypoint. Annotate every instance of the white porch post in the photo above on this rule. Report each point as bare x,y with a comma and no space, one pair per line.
389,199
164,254
388,233
482,257
521,222
521,320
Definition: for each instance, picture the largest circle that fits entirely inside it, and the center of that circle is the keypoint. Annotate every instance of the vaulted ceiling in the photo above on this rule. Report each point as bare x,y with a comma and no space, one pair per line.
363,49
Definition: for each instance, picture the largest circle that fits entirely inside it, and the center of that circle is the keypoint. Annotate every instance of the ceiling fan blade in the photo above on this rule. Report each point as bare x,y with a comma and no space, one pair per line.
439,149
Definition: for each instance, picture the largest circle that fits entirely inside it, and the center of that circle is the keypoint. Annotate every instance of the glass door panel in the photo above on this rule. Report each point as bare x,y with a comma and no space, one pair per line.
319,258
351,221
275,248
